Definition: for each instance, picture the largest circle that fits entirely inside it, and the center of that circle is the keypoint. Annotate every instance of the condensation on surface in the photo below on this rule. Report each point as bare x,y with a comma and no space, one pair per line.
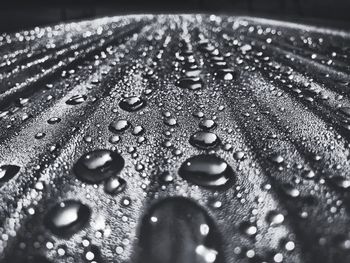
98,117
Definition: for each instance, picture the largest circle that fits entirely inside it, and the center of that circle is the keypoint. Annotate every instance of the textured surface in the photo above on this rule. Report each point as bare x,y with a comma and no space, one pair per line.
271,98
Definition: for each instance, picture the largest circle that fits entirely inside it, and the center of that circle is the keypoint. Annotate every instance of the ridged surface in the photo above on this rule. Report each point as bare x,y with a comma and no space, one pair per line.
281,125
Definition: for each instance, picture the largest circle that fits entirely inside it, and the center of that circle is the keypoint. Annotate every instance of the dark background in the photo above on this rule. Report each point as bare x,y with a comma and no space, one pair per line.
22,14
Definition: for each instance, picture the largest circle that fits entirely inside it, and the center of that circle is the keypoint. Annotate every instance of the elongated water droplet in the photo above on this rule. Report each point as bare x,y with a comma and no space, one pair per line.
98,165
76,99
54,120
207,171
177,230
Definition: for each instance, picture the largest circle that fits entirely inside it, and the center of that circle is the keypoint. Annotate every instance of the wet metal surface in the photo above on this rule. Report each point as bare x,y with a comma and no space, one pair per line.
172,138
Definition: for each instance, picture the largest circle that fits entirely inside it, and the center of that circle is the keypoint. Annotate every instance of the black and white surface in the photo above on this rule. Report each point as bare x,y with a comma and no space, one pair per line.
177,138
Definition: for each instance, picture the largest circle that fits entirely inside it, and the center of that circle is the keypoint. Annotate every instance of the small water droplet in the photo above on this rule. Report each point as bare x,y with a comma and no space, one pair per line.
248,229
54,120
76,99
204,140
274,218
119,126
39,135
207,124
239,155
114,185
170,121
138,130
340,182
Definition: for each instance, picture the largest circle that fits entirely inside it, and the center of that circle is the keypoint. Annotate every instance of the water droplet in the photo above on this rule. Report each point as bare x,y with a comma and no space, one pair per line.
39,135
7,172
309,174
132,104
170,121
98,165
177,230
340,182
76,99
114,185
204,140
225,74
248,229
207,124
166,177
274,218
190,83
290,190
67,218
239,155
194,73
53,120
207,171
119,126
277,159
138,130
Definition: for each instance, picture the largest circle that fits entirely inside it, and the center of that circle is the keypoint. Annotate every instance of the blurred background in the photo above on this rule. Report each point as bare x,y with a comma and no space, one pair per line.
21,14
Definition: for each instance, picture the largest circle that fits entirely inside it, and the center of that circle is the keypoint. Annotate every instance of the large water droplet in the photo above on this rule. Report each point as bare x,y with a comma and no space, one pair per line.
98,165
207,170
204,140
67,218
177,230
7,172
132,103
